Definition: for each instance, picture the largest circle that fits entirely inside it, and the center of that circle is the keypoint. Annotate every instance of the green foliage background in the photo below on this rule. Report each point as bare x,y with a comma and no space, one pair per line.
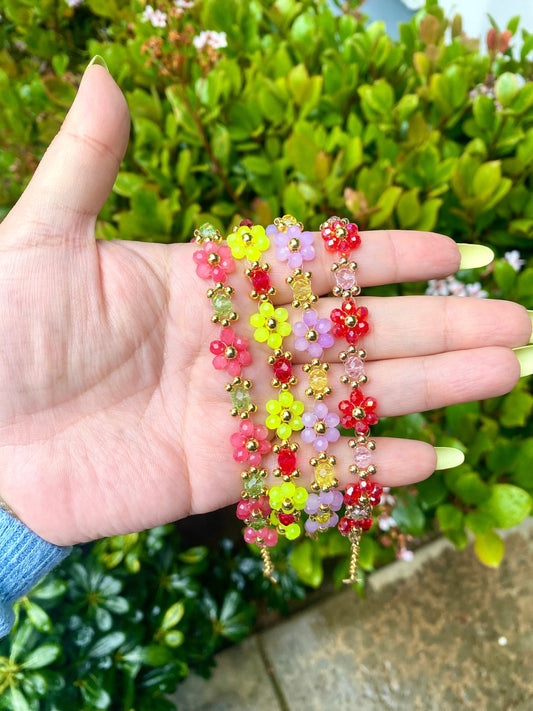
306,112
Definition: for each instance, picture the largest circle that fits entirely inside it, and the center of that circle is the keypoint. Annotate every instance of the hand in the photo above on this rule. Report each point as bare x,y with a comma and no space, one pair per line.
112,418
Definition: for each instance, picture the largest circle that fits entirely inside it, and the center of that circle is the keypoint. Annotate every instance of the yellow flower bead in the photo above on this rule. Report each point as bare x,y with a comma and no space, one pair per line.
248,242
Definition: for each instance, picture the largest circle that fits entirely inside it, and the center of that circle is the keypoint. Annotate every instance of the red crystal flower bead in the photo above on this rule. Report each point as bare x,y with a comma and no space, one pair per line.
260,280
231,352
358,412
349,321
340,236
353,492
287,460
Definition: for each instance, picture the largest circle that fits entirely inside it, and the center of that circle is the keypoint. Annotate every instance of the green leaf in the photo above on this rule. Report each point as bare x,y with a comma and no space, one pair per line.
516,409
173,615
487,179
39,618
174,638
21,639
489,548
506,88
449,518
305,560
409,517
386,203
484,112
49,589
504,275
153,655
508,505
408,209
368,550
43,656
431,491
127,183
523,469
59,92
106,645
479,522
194,555
18,700
471,489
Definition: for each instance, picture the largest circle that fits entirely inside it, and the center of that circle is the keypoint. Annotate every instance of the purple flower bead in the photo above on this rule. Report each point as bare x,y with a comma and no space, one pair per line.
312,334
331,499
319,419
295,253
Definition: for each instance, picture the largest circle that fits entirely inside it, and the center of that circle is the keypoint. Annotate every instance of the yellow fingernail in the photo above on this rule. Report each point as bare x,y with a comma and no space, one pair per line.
97,59
474,256
525,358
531,317
448,457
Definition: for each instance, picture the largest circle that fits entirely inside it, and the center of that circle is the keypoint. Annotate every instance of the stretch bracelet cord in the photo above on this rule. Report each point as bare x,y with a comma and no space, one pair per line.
214,261
358,412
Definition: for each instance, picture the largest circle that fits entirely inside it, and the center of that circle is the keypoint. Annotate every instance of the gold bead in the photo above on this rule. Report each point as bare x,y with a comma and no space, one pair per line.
247,237
252,445
230,352
286,415
350,321
294,244
213,258
271,323
311,336
320,428
358,413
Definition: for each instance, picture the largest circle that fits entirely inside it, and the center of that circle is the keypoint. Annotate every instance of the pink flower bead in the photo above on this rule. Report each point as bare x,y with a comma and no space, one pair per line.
230,352
250,443
214,261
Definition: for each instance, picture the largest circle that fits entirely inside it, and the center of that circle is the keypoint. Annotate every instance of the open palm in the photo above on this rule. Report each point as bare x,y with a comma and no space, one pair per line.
112,418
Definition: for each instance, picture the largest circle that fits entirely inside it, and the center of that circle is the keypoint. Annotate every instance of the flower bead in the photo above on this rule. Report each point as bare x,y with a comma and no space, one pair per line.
293,246
287,501
312,334
284,415
230,352
349,321
322,510
320,427
358,412
250,443
340,236
214,261
248,242
270,324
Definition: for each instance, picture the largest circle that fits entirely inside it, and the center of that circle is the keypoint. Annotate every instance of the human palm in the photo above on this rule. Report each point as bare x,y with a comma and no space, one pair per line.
112,418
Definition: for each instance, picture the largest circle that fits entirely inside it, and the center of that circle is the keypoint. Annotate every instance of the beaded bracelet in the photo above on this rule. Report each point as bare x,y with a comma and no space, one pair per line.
215,261
271,327
359,411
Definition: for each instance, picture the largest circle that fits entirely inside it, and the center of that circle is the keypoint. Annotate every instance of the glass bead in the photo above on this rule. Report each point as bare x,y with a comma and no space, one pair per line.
240,398
253,484
301,288
318,379
362,457
354,367
292,531
345,278
325,474
222,305
208,232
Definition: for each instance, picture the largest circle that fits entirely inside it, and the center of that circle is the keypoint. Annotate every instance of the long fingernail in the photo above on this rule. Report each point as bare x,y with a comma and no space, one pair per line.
474,256
97,59
525,358
448,457
531,317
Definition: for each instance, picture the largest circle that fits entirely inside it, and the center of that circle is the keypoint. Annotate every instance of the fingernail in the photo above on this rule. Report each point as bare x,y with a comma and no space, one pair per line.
474,256
531,317
448,457
525,358
97,59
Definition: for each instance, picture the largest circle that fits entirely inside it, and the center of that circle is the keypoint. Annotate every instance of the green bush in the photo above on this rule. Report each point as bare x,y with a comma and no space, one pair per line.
305,112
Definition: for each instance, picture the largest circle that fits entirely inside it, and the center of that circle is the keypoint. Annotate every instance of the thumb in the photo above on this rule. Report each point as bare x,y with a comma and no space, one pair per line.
77,172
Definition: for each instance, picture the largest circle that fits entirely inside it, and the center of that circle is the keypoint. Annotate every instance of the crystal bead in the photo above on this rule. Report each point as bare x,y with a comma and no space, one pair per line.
282,369
253,484
240,397
325,474
222,305
301,288
286,461
318,379
354,367
362,457
286,519
345,278
208,232
260,280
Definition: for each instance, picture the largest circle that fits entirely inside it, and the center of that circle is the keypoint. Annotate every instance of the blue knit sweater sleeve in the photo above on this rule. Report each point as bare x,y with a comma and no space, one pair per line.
24,559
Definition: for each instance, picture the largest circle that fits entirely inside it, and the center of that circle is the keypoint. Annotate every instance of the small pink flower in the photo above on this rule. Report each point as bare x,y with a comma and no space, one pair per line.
250,443
214,261
230,352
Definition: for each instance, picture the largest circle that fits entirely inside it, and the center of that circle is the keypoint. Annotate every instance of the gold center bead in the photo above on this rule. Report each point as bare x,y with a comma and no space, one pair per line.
311,335
286,415
320,427
358,413
350,321
247,237
341,232
230,352
213,258
294,244
252,445
272,323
